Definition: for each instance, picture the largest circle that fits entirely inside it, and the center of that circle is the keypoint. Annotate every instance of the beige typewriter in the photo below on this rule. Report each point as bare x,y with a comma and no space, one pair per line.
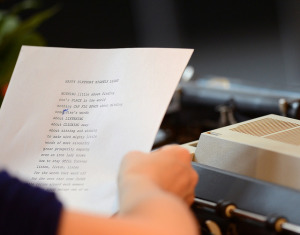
249,177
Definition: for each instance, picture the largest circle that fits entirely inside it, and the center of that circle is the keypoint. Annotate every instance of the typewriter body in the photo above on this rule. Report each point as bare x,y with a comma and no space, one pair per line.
249,182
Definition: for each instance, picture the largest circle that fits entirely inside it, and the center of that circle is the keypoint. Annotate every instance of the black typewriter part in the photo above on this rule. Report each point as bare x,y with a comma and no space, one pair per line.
232,220
243,205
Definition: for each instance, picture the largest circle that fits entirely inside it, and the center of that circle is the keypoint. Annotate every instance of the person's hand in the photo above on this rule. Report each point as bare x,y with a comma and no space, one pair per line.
169,168
155,190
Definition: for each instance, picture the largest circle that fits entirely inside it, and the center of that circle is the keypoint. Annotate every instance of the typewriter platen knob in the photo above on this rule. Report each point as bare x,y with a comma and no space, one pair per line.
224,208
275,222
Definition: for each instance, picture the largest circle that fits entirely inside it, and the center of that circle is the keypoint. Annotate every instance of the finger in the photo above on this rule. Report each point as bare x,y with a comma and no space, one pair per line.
195,178
189,197
184,187
176,151
194,182
190,200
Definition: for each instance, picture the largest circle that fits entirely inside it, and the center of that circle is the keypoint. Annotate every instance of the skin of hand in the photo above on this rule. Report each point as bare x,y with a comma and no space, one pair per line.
169,168
155,191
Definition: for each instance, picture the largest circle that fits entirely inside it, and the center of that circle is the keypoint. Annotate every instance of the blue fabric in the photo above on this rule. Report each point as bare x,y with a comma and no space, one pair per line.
25,209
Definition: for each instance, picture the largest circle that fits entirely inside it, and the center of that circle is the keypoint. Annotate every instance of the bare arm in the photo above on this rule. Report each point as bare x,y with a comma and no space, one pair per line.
155,191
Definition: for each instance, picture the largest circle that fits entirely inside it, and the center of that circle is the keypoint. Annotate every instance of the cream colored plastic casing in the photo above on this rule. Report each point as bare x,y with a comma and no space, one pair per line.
266,148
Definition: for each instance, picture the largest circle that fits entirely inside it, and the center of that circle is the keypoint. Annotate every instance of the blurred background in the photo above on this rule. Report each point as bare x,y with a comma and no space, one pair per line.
246,61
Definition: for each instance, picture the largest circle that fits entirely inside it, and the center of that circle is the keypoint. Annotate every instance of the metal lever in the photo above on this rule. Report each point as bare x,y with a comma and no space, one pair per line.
213,227
228,210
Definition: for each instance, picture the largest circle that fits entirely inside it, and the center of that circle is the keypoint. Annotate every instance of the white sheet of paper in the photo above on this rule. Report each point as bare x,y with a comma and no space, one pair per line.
70,115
